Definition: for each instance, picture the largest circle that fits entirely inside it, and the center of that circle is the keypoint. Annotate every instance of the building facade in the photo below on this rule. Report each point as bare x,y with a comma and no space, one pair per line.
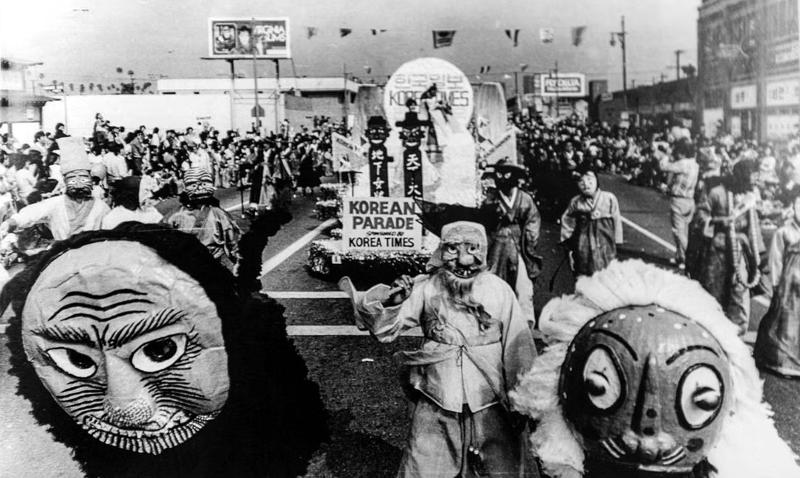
20,106
749,67
300,98
668,102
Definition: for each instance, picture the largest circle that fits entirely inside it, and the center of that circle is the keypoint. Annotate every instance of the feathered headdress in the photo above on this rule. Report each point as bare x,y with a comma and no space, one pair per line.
749,445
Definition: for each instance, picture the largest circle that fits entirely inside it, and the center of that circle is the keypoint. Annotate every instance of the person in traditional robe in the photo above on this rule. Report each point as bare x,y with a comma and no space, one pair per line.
73,212
729,263
591,226
515,233
201,215
476,345
778,342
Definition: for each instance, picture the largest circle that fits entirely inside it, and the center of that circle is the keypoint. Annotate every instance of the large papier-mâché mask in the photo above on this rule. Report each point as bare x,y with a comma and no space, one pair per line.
647,389
463,249
130,346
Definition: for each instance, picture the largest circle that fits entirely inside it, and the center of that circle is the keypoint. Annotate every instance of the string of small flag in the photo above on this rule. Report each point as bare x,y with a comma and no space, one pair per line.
444,38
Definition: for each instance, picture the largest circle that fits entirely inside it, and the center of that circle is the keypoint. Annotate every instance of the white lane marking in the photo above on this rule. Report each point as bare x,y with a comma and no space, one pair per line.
302,294
289,251
338,330
759,298
649,234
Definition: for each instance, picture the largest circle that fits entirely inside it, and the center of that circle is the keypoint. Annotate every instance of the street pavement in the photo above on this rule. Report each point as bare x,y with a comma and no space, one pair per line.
357,375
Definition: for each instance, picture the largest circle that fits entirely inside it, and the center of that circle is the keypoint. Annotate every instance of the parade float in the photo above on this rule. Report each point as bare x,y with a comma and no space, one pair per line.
428,140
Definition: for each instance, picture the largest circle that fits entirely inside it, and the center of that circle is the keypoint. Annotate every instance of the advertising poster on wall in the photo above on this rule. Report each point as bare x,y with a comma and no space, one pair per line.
235,38
380,224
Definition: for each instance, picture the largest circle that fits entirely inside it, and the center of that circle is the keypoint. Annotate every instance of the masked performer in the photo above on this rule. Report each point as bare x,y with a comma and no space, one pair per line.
138,351
67,214
778,342
512,243
591,227
645,377
729,267
201,215
476,344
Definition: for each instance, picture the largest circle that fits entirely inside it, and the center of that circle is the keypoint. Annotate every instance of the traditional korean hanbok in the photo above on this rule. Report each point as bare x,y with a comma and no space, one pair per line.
592,228
778,344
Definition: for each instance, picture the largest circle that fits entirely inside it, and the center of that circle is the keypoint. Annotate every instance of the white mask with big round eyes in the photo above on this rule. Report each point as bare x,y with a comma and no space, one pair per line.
159,354
73,362
602,380
700,394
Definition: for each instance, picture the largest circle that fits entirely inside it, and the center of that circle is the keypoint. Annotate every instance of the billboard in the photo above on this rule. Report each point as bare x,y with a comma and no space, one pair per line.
235,38
565,85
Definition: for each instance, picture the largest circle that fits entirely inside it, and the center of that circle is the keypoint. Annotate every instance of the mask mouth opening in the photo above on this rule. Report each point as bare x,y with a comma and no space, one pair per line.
463,272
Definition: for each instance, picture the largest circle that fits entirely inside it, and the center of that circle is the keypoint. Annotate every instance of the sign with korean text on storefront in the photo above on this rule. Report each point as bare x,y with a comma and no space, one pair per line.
783,93
743,97
380,224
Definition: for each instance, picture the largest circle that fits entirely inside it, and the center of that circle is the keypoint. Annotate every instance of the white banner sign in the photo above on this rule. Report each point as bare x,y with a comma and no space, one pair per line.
347,155
506,148
743,97
783,93
564,84
380,223
781,126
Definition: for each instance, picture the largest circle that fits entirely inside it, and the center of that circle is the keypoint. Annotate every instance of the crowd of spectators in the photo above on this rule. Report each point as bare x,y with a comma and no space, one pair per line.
560,147
291,158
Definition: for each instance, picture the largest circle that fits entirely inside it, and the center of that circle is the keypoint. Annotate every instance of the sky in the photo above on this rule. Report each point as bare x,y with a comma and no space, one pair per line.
84,41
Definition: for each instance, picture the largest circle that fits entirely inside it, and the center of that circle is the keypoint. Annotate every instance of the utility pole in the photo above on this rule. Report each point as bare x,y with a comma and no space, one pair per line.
622,37
678,64
255,77
278,93
623,40
345,97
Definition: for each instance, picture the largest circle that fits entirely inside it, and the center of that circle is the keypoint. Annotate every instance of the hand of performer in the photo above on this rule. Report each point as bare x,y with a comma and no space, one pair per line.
401,289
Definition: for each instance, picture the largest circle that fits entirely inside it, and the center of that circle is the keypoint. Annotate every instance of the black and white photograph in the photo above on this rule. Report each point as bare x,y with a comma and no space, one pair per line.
413,239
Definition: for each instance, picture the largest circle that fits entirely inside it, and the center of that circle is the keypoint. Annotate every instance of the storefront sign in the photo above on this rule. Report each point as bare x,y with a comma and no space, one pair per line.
564,84
786,53
781,126
783,93
743,97
384,224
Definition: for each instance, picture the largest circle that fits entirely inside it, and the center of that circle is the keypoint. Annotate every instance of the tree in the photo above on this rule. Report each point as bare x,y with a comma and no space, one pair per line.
99,87
82,88
71,87
119,69
91,86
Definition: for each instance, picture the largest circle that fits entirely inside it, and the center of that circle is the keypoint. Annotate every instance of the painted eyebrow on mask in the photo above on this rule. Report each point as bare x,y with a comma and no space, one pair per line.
620,340
71,335
150,323
80,302
684,350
